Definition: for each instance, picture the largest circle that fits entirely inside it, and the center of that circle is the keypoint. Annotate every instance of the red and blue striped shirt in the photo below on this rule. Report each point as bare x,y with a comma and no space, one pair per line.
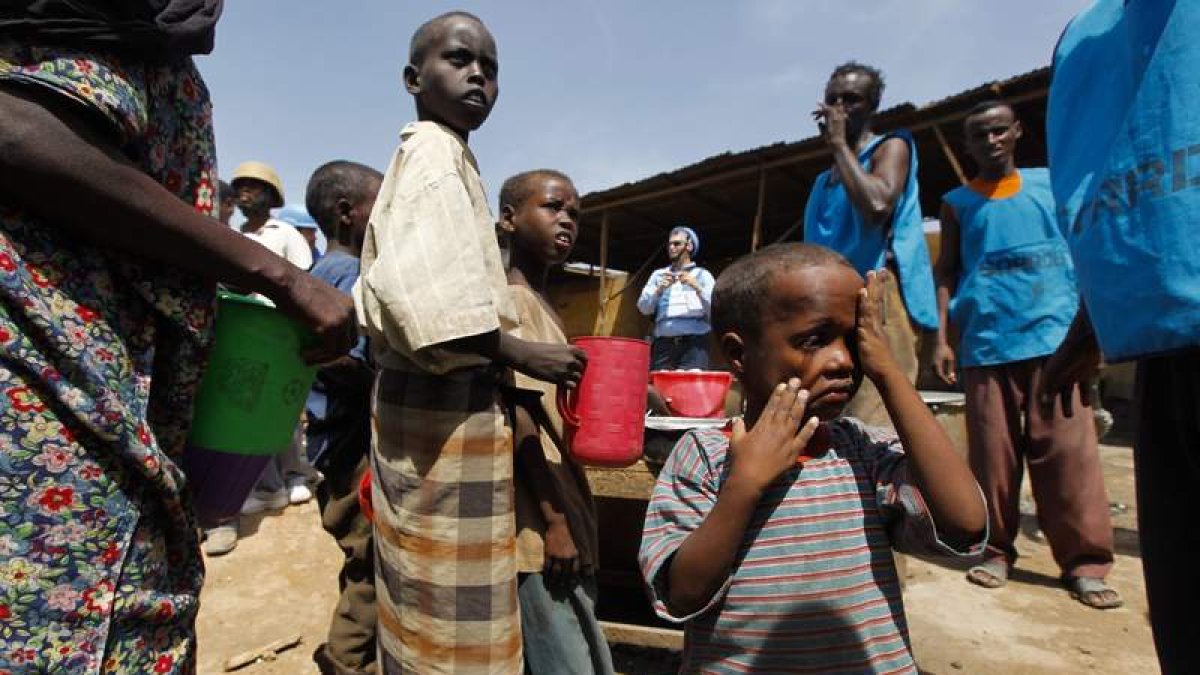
814,587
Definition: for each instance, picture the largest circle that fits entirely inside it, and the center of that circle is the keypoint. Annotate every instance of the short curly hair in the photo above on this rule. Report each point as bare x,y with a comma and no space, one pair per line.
339,179
430,31
739,297
875,93
517,188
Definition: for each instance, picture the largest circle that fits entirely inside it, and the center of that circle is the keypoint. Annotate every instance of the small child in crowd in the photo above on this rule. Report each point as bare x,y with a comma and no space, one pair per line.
435,302
340,197
556,519
774,546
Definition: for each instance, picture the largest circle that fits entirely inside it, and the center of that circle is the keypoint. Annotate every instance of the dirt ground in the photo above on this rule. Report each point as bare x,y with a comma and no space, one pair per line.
282,581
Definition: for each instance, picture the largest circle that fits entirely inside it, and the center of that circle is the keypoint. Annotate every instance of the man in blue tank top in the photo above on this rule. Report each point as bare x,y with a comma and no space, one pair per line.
1005,280
1123,125
866,207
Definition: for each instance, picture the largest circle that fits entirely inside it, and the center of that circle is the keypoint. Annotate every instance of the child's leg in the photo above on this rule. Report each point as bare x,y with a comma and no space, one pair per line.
445,539
350,645
993,432
1068,484
694,354
560,630
661,354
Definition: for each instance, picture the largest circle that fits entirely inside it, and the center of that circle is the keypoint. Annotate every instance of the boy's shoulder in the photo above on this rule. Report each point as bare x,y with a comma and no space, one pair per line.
850,436
426,136
699,451
335,266
429,152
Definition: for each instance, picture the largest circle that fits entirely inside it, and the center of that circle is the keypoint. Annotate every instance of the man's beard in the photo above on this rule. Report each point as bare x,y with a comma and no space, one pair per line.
261,206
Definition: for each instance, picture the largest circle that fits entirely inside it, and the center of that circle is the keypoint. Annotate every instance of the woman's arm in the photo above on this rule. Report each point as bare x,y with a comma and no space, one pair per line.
56,163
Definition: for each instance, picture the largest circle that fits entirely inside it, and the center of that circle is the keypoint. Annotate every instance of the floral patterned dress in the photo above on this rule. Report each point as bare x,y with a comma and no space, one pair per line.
100,356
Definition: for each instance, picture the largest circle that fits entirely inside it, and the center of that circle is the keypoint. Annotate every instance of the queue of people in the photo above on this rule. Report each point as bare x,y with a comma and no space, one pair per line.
477,550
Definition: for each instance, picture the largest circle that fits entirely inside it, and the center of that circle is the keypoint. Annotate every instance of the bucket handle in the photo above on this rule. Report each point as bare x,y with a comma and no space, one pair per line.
566,399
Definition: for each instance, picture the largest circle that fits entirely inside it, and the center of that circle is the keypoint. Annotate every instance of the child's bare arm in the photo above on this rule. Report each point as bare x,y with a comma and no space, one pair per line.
757,457
546,361
946,272
562,555
936,469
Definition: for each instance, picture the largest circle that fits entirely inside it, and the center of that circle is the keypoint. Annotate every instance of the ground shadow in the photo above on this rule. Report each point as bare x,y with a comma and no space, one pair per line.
248,523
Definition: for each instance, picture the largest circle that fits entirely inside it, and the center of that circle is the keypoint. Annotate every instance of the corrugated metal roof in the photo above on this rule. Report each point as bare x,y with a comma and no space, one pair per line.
718,196
900,115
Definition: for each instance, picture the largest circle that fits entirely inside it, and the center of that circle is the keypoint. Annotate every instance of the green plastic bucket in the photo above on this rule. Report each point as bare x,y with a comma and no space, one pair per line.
254,389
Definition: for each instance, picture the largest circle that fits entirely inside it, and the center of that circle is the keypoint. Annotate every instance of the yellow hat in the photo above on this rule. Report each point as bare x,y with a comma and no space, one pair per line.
263,172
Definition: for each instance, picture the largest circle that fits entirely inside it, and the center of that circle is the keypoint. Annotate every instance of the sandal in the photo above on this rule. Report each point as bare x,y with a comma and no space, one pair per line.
989,574
1092,591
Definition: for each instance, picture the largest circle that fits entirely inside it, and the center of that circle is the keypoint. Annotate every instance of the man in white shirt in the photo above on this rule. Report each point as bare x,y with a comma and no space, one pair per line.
678,298
259,190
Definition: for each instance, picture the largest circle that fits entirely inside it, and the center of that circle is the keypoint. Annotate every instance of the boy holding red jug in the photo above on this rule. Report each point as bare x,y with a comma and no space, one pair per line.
557,547
436,306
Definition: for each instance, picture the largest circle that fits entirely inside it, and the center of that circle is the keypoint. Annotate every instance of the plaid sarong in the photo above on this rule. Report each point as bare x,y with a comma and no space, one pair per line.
444,527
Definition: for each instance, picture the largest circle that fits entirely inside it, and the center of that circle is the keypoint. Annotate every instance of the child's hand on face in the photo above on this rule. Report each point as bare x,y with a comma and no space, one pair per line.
873,353
764,452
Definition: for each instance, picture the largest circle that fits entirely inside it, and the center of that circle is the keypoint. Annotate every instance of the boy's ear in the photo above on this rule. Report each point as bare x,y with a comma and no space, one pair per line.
1018,130
507,212
412,79
734,349
344,227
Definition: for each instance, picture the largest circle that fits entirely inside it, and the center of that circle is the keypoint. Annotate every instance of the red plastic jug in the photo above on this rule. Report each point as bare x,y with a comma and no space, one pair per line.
604,416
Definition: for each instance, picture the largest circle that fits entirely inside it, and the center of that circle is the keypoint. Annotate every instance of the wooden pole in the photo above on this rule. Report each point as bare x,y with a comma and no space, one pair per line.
756,233
602,296
950,156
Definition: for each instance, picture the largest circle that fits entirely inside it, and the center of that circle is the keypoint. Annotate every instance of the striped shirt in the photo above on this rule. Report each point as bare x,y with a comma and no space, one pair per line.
814,587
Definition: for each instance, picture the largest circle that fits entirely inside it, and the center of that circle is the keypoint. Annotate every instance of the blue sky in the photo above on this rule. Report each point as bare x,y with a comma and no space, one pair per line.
608,92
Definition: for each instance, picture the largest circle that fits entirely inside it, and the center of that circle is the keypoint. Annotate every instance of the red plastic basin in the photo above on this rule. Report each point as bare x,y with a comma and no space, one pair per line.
693,393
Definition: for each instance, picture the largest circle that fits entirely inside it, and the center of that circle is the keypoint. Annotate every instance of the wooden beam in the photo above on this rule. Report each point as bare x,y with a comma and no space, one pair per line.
643,636
756,232
818,150
602,295
950,157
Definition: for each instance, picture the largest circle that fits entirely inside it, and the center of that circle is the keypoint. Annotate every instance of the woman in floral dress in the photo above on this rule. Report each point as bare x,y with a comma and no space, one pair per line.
108,267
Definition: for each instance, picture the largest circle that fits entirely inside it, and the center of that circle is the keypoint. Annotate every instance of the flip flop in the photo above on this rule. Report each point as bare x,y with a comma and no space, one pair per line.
989,574
1088,591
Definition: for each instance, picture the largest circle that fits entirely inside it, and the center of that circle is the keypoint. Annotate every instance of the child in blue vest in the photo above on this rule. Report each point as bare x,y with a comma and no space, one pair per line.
1006,281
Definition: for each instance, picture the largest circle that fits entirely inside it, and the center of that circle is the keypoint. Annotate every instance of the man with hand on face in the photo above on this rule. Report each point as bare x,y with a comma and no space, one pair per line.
678,298
866,207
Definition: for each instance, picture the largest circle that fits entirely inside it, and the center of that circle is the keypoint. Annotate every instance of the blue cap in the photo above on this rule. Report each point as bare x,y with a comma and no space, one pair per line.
296,216
691,234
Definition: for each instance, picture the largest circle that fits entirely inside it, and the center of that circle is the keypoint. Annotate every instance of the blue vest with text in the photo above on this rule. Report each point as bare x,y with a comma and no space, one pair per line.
831,220
1016,294
1123,127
